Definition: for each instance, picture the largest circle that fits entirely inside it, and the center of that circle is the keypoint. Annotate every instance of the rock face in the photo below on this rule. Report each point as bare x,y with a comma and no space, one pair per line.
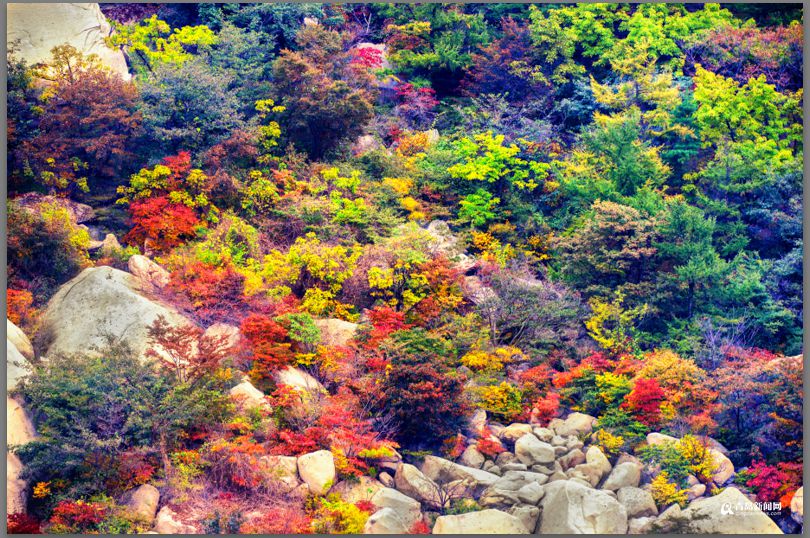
37,28
443,471
15,364
730,512
571,508
99,301
336,332
15,335
317,469
483,522
19,430
142,502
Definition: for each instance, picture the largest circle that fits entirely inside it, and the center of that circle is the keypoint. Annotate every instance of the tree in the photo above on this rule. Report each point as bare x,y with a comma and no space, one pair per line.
90,409
88,125
612,249
188,107
509,65
325,101
421,391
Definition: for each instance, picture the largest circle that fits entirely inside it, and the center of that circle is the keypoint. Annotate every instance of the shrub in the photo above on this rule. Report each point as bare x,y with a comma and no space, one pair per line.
286,519
269,350
159,224
504,401
77,516
19,523
19,306
644,401
609,443
45,247
665,492
332,515
420,391
774,482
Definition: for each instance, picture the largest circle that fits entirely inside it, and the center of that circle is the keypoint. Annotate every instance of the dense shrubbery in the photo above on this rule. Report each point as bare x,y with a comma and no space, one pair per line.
621,189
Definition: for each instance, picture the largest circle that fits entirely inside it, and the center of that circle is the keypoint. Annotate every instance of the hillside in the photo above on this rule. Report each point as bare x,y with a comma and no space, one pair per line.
399,268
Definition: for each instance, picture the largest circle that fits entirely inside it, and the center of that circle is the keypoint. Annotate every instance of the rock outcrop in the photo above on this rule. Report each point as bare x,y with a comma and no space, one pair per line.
19,431
34,29
100,302
16,336
336,332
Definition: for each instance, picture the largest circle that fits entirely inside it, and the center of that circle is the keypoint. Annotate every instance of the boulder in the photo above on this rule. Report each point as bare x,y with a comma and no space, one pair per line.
528,515
336,332
572,459
531,493
640,525
142,502
544,434
386,479
530,450
19,426
410,481
385,521
34,29
443,471
513,432
638,502
31,201
571,508
695,491
228,334
16,336
110,246
589,473
408,510
365,144
575,424
247,396
298,379
627,474
19,431
724,469
477,422
797,506
656,438
166,522
597,458
282,470
730,512
148,272
100,302
353,491
317,470
472,458
483,522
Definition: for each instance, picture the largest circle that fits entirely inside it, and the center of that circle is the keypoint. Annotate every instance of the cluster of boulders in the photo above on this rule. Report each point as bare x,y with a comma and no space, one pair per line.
544,480
548,481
